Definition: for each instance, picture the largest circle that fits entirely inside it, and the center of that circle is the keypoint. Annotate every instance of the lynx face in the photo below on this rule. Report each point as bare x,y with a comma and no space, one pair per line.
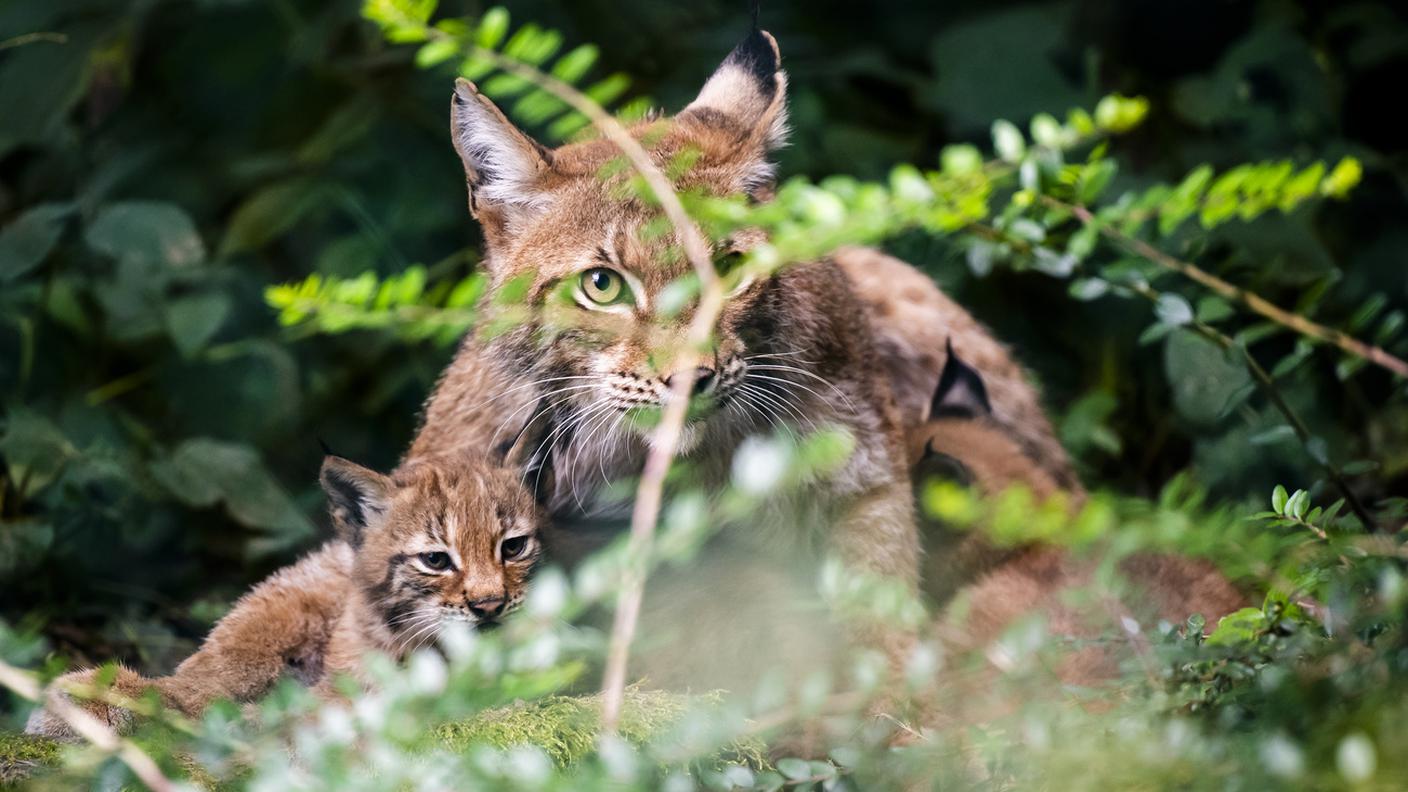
608,294
443,540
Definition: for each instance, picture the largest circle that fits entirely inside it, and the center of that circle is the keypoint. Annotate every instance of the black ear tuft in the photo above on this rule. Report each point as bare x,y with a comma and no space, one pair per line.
357,497
961,393
758,57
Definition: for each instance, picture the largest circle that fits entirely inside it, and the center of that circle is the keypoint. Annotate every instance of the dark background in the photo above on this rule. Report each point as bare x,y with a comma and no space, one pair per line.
160,431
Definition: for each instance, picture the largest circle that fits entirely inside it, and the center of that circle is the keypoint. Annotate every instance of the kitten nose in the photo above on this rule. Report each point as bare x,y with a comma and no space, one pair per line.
704,380
486,607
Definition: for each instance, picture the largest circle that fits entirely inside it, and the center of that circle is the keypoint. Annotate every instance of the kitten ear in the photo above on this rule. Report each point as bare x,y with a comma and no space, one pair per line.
747,98
503,167
937,465
961,392
357,497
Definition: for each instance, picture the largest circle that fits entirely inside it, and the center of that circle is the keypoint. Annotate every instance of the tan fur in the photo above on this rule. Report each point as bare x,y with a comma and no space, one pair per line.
366,591
788,352
988,589
913,321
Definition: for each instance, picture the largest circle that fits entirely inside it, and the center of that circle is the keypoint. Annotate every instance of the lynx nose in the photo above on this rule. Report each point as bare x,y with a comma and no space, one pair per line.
487,607
704,380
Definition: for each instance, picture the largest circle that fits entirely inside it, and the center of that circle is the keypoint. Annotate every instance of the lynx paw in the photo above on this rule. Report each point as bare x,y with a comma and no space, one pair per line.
45,723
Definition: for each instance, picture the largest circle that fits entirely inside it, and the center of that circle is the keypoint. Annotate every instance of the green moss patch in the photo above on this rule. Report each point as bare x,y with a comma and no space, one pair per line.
567,726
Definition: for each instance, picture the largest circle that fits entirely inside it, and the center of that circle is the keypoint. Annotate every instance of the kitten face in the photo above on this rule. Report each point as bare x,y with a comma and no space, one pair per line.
442,541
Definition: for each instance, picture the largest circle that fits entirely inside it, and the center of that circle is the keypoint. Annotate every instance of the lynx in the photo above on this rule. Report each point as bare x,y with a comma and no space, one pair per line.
986,589
443,540
829,342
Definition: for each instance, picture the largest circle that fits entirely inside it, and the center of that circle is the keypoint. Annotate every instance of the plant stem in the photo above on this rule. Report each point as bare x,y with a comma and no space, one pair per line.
1248,299
1267,384
664,439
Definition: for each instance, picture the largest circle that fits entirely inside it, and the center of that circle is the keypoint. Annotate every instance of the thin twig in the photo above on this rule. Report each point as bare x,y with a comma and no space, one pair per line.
1267,385
33,38
1250,300
88,727
664,440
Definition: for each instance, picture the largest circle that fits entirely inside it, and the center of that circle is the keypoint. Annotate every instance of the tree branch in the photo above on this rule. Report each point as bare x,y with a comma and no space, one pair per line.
1249,300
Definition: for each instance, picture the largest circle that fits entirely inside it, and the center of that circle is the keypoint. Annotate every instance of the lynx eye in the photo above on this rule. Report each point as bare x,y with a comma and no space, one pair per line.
514,548
604,286
436,561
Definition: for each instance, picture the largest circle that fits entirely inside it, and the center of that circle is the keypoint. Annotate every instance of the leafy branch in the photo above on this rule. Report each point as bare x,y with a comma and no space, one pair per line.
1244,297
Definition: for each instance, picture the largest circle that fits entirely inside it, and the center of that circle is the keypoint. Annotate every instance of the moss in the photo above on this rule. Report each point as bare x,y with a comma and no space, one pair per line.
567,726
21,753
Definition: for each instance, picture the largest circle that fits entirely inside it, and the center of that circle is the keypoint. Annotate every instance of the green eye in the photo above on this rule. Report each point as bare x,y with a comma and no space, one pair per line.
604,286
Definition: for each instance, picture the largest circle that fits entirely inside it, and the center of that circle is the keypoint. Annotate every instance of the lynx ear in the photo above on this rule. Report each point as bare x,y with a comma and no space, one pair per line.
357,497
747,97
503,167
961,392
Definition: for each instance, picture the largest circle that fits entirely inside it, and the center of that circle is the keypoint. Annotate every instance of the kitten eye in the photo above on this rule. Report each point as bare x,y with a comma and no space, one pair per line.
436,561
604,286
514,548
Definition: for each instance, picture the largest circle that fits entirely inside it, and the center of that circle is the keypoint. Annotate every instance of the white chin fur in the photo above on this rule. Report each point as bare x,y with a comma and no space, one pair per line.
690,435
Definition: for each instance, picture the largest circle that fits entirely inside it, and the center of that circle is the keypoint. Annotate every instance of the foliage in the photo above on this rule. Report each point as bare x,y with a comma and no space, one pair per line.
158,421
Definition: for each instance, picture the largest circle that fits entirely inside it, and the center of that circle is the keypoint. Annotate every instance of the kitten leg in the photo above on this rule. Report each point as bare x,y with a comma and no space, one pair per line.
280,628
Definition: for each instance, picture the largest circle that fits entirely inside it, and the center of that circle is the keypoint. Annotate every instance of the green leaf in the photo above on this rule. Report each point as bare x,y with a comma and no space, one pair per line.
608,90
147,232
1046,131
1086,289
202,472
1007,141
25,243
1094,178
493,26
192,320
436,52
398,13
1343,178
1212,308
960,159
1204,383
794,769
1238,628
34,449
1173,310
574,65
269,213
1117,114
1278,499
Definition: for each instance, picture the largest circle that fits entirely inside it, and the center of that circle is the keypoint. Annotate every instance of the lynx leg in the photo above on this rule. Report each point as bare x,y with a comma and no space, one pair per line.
878,536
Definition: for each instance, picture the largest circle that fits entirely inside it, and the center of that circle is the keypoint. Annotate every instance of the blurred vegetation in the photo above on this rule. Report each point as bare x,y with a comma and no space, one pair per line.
162,165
